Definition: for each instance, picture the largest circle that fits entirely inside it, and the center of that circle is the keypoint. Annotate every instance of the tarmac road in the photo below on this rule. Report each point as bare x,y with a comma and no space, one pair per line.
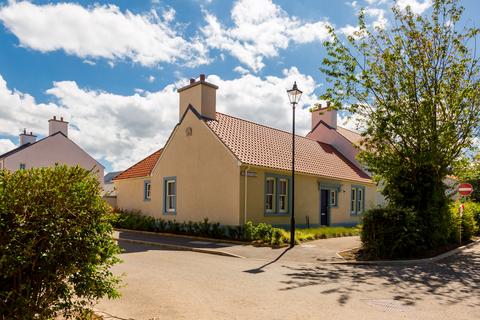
165,284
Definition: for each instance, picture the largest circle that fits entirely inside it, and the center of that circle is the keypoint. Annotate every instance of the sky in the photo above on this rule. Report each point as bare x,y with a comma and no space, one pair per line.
112,68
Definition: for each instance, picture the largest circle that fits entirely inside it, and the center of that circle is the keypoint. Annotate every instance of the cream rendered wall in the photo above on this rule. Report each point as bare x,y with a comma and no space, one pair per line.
307,199
130,195
56,149
207,176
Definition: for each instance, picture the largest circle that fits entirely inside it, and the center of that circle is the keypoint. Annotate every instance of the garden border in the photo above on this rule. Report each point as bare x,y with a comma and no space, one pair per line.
406,262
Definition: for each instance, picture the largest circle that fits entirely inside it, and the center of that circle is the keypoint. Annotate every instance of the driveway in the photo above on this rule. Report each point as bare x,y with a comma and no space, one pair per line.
162,284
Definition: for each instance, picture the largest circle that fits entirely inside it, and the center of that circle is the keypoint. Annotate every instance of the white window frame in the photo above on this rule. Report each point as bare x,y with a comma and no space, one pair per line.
360,200
170,196
284,195
333,198
353,200
357,200
148,190
273,195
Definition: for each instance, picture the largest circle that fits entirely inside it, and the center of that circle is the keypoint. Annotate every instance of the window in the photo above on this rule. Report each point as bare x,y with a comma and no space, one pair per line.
353,200
22,166
147,190
333,198
170,195
277,194
270,197
357,203
283,196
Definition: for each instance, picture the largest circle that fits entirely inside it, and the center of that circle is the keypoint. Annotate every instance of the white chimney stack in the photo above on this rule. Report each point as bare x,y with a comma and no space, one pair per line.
322,113
27,137
201,95
55,126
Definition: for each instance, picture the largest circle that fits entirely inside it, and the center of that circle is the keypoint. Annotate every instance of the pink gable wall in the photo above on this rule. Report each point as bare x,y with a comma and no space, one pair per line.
328,135
54,149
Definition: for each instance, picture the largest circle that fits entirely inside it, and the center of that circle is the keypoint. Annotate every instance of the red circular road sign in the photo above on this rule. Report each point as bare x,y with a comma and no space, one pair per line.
465,189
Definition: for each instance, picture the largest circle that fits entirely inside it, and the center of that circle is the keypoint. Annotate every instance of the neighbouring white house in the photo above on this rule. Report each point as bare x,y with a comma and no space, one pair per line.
54,149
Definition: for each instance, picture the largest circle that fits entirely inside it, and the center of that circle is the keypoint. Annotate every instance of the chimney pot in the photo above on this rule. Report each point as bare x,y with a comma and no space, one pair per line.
54,117
27,138
192,81
202,77
31,133
61,118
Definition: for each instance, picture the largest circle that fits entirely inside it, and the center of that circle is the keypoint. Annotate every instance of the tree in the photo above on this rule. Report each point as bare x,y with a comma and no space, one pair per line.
416,89
467,169
56,248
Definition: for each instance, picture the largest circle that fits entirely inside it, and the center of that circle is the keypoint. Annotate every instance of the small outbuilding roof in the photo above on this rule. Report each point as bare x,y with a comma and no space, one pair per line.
143,168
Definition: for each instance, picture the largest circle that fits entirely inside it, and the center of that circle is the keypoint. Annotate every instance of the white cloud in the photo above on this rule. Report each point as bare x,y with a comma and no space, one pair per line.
261,28
151,78
102,31
19,110
417,6
241,70
122,129
265,100
379,16
6,145
89,62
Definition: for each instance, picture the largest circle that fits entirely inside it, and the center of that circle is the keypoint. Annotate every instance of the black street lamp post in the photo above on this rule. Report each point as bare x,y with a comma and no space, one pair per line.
294,96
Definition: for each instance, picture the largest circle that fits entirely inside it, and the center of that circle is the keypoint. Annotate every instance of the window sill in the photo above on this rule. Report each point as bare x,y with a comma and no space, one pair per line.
276,214
170,213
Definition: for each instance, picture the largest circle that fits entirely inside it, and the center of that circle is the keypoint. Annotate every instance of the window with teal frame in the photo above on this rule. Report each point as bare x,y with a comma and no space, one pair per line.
334,191
357,200
277,200
169,195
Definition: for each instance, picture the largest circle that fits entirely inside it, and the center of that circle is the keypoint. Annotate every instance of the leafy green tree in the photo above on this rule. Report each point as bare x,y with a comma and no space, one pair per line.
415,86
56,248
467,169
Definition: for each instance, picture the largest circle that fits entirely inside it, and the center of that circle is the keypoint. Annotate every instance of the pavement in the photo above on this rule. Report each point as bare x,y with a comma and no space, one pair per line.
172,284
324,250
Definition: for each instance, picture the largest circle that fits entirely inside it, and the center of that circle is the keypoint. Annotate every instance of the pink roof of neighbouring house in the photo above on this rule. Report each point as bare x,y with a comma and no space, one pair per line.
352,136
143,168
263,146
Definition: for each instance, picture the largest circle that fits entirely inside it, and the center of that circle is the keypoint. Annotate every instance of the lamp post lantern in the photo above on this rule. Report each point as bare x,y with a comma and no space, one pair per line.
294,96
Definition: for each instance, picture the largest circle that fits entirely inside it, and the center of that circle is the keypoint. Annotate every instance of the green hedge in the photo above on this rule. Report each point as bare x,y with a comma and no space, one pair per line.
470,220
261,233
391,233
396,232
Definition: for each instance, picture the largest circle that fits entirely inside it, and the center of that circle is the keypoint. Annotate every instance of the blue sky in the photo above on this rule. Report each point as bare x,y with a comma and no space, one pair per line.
111,68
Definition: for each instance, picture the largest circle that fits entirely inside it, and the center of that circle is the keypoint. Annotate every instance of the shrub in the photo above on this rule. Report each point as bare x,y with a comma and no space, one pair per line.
468,222
56,248
391,233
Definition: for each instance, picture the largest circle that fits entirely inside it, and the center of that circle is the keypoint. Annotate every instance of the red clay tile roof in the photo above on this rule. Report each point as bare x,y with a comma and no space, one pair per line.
352,136
143,168
263,146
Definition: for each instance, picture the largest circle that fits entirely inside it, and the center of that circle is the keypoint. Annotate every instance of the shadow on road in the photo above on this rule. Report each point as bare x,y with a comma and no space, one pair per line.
450,281
260,269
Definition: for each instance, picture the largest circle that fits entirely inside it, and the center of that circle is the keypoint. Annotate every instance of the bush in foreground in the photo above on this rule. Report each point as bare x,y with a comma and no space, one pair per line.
397,233
391,233
55,243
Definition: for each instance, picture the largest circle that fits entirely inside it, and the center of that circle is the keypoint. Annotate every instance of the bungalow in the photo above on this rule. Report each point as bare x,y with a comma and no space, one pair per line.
232,170
56,148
